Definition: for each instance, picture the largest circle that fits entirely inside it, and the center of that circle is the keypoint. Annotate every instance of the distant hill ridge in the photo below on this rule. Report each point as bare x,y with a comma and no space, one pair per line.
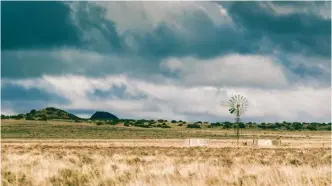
50,113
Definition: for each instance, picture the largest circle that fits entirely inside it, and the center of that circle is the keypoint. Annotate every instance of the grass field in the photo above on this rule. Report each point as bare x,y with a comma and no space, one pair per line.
63,153
31,164
59,130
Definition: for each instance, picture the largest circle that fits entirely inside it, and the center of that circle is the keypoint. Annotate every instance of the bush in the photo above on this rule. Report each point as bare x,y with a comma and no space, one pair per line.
194,126
29,117
180,124
297,125
312,127
215,124
142,125
126,124
43,118
111,122
166,126
227,125
242,125
99,123
173,121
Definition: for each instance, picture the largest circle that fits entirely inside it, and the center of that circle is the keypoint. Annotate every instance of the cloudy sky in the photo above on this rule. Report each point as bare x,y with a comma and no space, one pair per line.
170,60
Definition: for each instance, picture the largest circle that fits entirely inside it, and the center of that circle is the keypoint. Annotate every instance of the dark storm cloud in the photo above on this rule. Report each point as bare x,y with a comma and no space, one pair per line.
12,92
44,25
205,41
296,32
23,100
30,25
116,92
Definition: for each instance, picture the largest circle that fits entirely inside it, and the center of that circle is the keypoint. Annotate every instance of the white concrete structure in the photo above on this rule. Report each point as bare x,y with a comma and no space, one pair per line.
263,142
196,142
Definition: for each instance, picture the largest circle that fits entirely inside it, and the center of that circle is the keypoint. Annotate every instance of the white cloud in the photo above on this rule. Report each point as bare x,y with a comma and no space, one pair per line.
231,70
7,111
145,16
177,102
321,9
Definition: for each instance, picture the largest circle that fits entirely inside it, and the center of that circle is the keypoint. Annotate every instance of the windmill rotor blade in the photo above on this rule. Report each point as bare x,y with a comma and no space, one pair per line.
237,104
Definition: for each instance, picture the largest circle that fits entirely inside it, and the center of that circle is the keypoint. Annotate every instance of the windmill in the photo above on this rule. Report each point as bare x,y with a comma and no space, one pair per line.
237,106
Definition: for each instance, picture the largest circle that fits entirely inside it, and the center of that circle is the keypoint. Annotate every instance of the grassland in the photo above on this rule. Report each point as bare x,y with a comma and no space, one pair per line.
66,153
22,129
31,164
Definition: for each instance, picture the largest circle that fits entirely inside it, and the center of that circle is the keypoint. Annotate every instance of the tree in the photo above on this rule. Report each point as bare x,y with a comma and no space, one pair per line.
29,117
227,125
312,126
297,125
43,118
33,112
242,126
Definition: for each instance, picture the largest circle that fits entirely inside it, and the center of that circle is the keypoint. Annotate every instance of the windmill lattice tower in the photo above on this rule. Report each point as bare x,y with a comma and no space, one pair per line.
237,106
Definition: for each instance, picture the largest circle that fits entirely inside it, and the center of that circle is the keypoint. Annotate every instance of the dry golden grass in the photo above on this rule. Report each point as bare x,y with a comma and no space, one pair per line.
286,143
93,164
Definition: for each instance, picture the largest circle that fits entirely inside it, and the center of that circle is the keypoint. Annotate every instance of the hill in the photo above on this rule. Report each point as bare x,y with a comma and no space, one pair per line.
50,113
101,115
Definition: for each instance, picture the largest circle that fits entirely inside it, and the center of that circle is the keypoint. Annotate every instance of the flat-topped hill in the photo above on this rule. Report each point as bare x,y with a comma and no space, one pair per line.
101,115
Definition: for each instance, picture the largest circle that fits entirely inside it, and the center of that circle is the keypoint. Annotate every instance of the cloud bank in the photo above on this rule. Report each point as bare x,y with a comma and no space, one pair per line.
171,60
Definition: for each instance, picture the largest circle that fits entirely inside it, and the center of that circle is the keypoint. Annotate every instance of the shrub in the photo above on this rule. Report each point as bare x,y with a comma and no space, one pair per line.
242,125
297,125
312,127
29,117
43,118
173,121
193,126
126,124
99,123
142,125
33,111
165,126
227,125
180,124
111,122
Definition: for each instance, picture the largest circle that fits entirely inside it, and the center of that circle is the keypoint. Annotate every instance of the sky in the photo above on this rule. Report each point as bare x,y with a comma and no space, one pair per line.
168,60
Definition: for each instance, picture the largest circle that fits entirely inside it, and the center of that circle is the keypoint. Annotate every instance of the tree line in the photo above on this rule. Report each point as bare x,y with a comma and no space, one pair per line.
224,125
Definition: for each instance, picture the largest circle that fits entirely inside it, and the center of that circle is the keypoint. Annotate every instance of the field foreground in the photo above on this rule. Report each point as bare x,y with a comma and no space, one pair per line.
79,163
